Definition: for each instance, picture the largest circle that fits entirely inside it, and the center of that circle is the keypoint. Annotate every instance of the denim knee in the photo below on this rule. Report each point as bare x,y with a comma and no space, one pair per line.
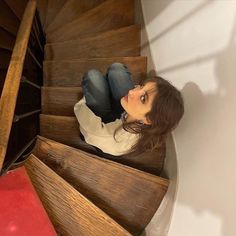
94,83
120,80
96,92
92,76
118,65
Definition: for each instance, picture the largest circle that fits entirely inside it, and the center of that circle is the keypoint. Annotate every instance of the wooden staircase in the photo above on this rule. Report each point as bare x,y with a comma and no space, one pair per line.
122,192
85,194
106,16
70,212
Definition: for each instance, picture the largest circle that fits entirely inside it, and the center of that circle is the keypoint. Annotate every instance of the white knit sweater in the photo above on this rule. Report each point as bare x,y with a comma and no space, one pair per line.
100,134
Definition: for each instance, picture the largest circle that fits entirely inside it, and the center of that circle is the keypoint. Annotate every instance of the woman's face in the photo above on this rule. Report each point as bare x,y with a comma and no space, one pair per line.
138,102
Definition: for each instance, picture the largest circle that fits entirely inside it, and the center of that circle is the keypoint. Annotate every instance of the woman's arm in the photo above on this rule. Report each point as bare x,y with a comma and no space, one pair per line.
91,123
100,134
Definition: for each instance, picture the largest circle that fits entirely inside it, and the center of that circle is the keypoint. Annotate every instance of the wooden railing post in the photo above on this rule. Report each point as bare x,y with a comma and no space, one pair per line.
13,77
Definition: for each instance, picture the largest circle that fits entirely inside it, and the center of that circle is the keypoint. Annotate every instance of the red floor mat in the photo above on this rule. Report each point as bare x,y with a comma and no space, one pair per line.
21,211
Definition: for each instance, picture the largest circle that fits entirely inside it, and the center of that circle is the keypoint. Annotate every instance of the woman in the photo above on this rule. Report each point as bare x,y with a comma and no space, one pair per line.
119,118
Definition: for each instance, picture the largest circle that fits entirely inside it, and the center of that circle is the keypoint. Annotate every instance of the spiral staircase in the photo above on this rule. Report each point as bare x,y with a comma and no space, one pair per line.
83,192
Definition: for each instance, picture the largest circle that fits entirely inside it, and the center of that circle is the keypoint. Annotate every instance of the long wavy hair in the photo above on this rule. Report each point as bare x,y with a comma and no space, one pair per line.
165,114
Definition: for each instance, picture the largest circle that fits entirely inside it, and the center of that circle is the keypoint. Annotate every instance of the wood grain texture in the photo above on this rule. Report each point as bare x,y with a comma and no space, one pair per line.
71,213
71,10
65,129
129,196
8,20
69,73
11,86
106,16
59,100
7,40
53,8
114,43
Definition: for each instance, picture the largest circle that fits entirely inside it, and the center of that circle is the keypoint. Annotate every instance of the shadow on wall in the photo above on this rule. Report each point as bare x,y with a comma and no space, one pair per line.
161,7
139,19
160,222
212,195
175,24
215,193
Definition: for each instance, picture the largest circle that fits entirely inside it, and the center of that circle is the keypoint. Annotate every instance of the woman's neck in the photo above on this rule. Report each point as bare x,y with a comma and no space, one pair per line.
130,118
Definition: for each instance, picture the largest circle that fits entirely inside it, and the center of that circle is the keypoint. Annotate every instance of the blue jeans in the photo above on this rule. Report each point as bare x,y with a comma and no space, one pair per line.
103,93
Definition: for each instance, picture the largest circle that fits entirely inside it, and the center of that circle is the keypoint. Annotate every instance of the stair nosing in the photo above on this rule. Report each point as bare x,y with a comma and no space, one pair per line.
90,59
96,35
150,177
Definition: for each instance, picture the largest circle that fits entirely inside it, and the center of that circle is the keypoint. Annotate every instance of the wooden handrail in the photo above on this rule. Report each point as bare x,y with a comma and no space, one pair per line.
13,77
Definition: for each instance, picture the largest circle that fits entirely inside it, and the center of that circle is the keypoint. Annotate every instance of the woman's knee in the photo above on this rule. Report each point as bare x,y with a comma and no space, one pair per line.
120,80
92,76
117,66
93,79
96,91
118,71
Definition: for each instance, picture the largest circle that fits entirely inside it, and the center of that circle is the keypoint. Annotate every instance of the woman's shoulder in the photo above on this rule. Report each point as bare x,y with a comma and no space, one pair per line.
123,135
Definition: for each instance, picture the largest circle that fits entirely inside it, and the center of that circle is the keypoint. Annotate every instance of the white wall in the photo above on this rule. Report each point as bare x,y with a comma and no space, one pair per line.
193,44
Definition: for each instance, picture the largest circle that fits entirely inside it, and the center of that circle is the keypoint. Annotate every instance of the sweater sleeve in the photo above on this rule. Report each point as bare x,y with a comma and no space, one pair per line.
91,123
100,134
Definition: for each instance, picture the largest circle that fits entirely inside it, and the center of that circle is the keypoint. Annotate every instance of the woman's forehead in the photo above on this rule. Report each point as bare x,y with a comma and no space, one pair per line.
150,87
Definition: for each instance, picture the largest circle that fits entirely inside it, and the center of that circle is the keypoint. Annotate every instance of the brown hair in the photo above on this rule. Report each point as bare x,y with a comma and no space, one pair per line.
167,110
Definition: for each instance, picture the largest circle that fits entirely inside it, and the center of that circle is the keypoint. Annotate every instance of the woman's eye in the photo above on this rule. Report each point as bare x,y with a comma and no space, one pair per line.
142,99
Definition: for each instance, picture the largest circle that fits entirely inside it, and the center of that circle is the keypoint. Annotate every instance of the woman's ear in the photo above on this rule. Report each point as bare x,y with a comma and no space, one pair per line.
146,121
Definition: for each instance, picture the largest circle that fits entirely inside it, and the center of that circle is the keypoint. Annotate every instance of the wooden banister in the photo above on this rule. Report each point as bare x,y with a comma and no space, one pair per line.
13,77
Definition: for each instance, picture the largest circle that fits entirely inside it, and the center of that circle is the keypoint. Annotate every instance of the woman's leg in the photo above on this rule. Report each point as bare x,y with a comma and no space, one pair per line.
97,93
120,82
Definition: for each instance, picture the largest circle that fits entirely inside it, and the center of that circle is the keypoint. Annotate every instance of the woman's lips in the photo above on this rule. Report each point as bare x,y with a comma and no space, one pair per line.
126,98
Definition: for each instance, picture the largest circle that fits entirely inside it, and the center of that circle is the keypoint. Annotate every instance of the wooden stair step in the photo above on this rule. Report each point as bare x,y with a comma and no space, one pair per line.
111,14
70,11
60,100
129,196
69,73
70,212
114,43
8,20
53,7
65,129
